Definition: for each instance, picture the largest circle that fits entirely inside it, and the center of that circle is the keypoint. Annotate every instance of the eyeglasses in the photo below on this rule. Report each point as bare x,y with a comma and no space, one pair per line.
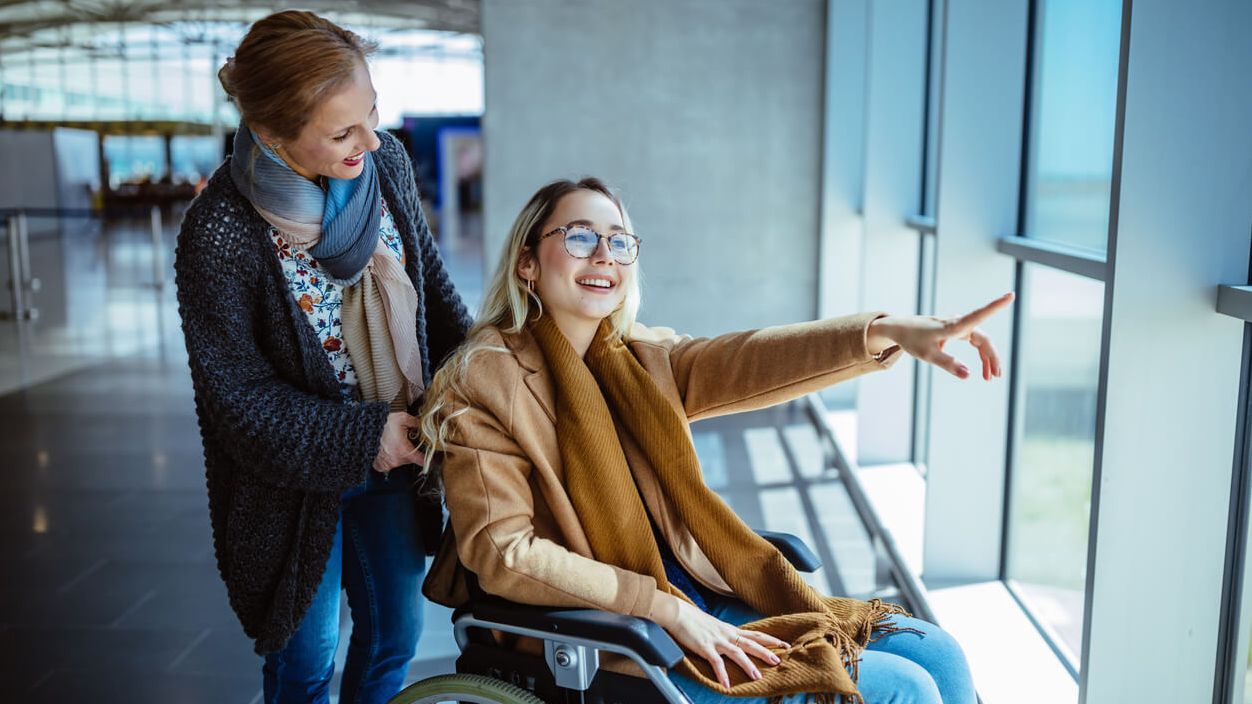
581,242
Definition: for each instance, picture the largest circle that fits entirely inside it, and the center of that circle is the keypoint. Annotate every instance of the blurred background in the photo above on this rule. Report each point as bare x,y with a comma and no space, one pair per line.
1080,524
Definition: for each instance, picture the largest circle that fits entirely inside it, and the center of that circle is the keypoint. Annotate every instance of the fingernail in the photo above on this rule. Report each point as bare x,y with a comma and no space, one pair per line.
756,674
775,660
963,371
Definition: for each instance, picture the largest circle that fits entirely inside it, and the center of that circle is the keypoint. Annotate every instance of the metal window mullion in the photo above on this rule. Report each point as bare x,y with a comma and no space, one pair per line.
1235,301
1235,619
924,224
1074,260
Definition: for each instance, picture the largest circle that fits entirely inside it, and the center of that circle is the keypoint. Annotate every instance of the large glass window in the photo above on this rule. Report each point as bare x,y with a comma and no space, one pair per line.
137,71
135,158
1050,502
1074,107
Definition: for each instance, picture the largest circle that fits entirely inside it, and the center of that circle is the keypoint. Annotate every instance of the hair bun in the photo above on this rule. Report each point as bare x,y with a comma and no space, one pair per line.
225,76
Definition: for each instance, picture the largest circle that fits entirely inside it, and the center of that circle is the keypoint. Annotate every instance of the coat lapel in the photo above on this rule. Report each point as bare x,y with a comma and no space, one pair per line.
540,385
537,379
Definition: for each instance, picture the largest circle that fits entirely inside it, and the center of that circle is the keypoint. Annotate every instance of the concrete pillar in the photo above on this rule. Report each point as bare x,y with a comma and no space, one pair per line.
707,114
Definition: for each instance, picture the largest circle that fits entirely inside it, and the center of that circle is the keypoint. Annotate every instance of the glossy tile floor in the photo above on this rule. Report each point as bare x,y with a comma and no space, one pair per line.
109,590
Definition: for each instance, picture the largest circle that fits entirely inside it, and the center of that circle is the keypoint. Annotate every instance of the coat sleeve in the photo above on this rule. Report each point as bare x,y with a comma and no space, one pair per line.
754,369
491,505
283,435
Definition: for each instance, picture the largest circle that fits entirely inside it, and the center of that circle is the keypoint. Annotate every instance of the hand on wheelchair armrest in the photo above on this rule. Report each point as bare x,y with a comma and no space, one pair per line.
645,637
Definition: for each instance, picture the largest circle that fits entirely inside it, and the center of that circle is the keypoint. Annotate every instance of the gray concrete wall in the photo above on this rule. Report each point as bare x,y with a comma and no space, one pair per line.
706,114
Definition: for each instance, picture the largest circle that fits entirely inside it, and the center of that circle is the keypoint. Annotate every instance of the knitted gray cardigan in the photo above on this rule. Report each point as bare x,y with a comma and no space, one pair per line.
280,440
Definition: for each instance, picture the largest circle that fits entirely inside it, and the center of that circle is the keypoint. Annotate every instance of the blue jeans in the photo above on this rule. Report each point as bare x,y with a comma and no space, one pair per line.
899,668
378,558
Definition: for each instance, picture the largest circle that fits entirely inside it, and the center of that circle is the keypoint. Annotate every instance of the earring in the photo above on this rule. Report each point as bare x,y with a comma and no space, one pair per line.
275,146
530,286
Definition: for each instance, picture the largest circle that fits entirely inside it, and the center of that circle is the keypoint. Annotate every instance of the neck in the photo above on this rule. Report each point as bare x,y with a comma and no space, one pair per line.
298,169
579,332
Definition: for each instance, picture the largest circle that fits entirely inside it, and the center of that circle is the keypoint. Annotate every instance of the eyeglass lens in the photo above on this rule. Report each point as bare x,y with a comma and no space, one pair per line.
582,242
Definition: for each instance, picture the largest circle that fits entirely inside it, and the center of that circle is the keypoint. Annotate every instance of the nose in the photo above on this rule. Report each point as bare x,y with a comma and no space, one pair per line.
602,255
372,142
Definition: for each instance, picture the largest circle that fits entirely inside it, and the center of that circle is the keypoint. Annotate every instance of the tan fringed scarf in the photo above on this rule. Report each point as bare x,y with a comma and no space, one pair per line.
826,634
379,315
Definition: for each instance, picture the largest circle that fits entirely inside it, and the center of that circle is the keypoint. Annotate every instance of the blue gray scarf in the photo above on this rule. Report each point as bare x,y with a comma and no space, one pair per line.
346,213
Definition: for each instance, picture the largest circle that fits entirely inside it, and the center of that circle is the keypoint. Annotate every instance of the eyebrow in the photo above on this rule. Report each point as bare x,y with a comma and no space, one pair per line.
588,223
344,130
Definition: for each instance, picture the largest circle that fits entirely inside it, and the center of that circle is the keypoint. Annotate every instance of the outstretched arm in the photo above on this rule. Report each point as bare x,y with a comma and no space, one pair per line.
754,369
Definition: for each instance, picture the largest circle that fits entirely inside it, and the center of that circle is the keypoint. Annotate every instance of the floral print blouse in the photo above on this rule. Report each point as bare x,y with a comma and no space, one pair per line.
321,298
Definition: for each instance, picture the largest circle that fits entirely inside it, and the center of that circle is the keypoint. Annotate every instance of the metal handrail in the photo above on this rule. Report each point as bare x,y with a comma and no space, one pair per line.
22,282
910,585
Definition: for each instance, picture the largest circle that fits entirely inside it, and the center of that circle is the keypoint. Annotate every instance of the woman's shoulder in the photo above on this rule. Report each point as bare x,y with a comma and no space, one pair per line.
490,363
220,228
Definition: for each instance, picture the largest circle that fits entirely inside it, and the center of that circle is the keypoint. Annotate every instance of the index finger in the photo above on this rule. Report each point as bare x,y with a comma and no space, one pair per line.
974,318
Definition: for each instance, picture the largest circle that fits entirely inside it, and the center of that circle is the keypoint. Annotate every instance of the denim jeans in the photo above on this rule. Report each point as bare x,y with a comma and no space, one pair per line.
378,558
899,668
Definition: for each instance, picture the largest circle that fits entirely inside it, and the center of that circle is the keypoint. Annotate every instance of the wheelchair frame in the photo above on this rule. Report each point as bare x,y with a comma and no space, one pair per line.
573,640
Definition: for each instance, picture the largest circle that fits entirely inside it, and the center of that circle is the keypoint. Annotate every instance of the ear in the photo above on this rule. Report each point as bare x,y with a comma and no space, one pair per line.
266,136
527,265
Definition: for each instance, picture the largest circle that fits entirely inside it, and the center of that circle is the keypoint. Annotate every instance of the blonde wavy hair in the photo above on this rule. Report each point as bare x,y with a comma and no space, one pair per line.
507,304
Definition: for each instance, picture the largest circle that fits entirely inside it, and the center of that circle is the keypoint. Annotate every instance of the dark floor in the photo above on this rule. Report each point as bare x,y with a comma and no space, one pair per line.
109,591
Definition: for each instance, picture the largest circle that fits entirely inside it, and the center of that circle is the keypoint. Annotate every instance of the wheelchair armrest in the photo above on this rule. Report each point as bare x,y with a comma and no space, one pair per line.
794,549
644,637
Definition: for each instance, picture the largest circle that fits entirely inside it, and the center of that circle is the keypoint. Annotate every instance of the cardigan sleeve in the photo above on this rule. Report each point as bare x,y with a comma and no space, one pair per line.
745,371
281,434
491,507
447,319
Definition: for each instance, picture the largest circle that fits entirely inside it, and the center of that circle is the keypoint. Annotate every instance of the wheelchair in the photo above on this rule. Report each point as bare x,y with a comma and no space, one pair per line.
568,671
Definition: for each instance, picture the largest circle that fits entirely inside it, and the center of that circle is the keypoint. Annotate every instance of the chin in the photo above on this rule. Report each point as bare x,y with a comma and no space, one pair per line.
598,315
347,172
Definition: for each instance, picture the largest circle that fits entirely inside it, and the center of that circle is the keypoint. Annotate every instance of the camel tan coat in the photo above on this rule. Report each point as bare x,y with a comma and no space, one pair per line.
514,524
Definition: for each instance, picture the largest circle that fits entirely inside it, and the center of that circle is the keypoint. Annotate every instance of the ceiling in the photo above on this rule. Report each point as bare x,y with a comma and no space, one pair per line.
27,24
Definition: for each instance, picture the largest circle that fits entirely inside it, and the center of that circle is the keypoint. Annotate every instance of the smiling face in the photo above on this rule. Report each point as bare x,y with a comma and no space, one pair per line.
340,131
578,293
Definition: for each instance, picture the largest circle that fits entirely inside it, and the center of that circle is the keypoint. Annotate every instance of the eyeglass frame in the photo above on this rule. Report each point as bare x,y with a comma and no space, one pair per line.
564,229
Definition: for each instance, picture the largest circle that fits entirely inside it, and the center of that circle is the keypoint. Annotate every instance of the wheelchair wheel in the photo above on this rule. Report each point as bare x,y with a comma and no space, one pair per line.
464,688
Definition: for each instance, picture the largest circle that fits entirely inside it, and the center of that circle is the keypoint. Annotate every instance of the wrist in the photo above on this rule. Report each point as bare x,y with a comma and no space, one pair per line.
664,609
879,336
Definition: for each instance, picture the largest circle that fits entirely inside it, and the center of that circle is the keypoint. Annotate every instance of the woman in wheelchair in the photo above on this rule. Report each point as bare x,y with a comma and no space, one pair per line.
571,478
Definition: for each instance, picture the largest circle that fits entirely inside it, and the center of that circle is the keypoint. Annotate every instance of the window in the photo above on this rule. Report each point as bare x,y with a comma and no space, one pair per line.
1073,120
1050,481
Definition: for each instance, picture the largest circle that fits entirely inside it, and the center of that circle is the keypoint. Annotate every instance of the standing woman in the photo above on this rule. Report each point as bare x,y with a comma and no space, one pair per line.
315,308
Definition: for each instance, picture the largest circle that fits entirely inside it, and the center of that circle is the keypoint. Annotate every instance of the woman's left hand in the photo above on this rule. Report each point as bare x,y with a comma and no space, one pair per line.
924,336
